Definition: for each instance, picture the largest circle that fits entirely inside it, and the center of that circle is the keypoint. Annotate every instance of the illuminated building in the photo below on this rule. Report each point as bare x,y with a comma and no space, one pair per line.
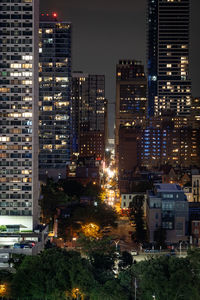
130,97
170,140
89,115
19,187
169,86
55,95
167,208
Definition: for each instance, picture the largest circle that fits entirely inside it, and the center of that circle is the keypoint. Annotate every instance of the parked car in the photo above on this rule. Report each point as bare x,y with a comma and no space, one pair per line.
17,246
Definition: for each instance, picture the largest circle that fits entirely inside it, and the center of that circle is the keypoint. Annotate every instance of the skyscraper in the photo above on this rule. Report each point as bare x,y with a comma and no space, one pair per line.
130,96
55,95
19,188
89,112
169,86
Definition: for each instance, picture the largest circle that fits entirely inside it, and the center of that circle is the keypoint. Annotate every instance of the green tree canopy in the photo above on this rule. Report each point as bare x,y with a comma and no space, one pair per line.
167,278
51,275
137,216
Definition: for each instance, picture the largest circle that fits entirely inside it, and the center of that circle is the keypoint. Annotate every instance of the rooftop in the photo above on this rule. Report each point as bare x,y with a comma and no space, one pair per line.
168,187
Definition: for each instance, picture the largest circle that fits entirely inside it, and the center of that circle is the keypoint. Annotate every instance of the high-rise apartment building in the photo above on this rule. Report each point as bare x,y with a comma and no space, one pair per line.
130,97
54,95
19,188
89,113
169,86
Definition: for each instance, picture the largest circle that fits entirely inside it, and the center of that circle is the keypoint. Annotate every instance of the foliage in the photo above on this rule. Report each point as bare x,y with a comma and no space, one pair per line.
90,245
71,187
3,228
91,230
126,260
58,274
51,198
136,215
167,278
101,254
16,260
111,290
51,274
93,214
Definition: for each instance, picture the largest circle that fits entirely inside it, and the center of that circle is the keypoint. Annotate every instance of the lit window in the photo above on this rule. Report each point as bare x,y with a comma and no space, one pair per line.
4,139
15,74
26,74
27,98
26,82
27,57
15,66
49,31
4,90
27,115
47,108
26,66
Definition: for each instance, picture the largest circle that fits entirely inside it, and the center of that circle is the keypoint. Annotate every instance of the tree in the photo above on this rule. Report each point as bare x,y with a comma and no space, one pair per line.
16,260
126,260
52,197
71,188
167,278
101,254
111,290
137,216
51,275
93,214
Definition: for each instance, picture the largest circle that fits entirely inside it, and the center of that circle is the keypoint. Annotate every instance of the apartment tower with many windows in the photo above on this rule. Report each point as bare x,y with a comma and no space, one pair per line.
169,85
89,115
19,188
55,95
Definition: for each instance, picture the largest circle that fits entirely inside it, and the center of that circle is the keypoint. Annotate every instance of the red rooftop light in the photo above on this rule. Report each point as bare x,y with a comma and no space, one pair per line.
55,15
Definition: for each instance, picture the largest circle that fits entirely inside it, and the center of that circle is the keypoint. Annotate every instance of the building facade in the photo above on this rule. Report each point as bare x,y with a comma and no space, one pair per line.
167,208
169,85
131,101
170,140
196,188
89,114
55,95
19,187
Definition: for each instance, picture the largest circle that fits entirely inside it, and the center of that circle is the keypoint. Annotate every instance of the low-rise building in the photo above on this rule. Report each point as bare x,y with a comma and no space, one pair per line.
167,208
195,231
126,199
196,187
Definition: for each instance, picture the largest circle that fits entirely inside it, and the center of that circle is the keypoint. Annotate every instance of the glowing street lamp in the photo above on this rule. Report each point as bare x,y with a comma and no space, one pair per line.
91,230
3,290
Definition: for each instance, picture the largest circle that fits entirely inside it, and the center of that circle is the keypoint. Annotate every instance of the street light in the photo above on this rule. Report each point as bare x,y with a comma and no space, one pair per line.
180,247
154,297
3,290
116,243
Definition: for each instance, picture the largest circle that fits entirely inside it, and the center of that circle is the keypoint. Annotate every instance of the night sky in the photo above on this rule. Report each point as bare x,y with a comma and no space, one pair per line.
107,30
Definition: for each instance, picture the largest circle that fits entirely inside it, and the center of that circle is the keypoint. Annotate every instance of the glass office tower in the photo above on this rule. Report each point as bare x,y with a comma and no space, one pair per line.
169,86
55,95
19,188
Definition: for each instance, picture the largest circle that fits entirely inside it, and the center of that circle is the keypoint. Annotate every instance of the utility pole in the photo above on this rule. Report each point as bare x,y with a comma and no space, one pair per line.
135,289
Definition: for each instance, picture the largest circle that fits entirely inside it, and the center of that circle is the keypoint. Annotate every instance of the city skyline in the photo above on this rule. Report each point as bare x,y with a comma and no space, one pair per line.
123,24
